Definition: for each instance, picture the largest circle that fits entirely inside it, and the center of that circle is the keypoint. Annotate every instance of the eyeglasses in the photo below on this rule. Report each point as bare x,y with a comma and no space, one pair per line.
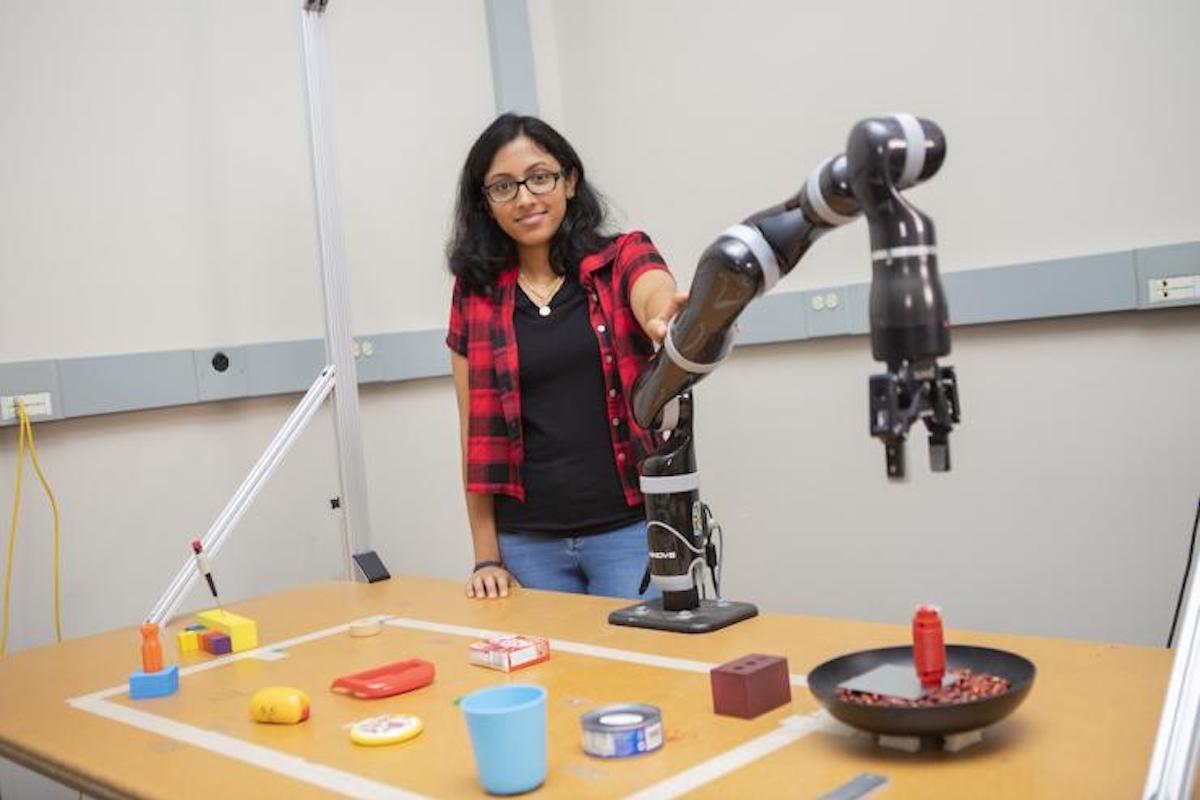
506,189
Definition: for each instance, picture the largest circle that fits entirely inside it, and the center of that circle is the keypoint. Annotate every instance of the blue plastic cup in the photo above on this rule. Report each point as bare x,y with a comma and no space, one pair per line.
508,734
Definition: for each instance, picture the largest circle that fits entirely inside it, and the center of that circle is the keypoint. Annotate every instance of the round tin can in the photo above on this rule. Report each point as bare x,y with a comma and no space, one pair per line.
622,730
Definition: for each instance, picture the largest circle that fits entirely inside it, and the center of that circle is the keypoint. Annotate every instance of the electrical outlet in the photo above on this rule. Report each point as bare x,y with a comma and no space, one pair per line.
1181,287
36,405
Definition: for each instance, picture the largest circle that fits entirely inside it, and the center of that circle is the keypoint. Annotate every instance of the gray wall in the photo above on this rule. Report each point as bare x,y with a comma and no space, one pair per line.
1077,466
162,200
157,195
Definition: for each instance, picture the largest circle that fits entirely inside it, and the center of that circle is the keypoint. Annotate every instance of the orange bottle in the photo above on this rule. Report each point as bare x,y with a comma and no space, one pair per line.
152,658
929,647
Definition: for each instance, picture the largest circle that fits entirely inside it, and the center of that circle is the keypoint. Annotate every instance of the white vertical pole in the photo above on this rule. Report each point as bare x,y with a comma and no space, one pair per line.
356,522
1173,760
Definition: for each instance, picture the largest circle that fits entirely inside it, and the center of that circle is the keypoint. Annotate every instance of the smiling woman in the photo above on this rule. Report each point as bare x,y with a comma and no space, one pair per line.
551,320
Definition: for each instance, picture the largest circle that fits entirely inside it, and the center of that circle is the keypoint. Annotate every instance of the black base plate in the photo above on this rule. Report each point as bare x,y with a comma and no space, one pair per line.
710,616
936,720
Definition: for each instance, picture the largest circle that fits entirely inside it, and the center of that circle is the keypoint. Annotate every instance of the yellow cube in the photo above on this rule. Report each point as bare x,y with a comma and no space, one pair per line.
242,632
187,641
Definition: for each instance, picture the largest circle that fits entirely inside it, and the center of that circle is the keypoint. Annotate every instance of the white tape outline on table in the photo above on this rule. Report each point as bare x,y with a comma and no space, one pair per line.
349,784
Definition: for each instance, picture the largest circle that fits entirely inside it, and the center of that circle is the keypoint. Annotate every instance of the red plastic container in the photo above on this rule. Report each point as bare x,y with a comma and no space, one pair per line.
929,646
385,681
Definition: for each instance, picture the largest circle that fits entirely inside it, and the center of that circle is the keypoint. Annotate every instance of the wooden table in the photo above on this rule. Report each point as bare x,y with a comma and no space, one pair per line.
1086,729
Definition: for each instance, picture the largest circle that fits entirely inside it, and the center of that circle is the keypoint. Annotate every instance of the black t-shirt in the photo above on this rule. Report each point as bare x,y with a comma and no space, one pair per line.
571,483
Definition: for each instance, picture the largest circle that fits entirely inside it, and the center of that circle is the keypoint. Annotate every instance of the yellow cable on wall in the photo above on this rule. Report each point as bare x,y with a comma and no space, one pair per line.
25,436
12,534
53,508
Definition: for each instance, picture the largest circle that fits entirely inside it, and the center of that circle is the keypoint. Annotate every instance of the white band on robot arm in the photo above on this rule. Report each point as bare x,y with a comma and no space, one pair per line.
670,484
687,365
914,156
676,583
904,251
753,239
813,190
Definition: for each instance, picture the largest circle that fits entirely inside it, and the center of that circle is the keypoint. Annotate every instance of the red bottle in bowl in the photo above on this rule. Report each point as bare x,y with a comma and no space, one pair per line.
929,647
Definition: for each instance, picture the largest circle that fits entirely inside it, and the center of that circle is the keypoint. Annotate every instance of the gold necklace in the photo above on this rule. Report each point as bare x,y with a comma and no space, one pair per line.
544,297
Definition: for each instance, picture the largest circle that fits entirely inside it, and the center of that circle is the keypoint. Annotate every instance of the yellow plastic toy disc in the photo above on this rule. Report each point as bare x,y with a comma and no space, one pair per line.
386,729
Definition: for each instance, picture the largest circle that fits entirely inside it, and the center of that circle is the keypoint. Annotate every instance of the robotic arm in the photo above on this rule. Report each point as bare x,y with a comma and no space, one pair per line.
910,329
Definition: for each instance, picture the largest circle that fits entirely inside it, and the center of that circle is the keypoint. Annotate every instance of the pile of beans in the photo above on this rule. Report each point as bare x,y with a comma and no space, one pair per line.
967,687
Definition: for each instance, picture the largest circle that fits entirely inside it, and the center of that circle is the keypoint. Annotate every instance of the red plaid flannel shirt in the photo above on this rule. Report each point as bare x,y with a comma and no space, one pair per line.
481,328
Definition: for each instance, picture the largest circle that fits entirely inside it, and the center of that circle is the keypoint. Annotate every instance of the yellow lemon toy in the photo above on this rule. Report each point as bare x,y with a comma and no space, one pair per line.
282,705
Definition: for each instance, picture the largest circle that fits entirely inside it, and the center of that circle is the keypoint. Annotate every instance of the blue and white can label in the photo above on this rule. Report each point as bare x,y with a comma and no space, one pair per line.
623,730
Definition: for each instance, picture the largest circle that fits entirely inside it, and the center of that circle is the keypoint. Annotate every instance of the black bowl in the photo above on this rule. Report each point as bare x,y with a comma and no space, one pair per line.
935,720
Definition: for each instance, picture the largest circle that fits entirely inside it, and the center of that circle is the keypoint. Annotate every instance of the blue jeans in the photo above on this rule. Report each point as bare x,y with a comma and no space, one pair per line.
610,564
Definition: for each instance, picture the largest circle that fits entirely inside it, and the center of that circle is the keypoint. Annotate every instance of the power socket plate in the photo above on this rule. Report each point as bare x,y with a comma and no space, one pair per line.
36,405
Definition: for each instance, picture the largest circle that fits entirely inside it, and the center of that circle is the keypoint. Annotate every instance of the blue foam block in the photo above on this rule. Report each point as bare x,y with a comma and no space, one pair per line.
154,684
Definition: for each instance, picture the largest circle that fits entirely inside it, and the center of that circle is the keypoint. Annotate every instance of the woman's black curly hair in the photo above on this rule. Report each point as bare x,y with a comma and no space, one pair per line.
478,249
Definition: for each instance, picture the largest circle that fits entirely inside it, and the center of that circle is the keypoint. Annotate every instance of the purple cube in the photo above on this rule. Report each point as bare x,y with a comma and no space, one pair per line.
216,643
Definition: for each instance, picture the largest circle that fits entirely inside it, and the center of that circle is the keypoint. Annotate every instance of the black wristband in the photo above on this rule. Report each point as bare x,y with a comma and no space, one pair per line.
491,562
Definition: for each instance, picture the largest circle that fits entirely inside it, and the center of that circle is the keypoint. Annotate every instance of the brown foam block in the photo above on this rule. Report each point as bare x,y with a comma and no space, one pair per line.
750,686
